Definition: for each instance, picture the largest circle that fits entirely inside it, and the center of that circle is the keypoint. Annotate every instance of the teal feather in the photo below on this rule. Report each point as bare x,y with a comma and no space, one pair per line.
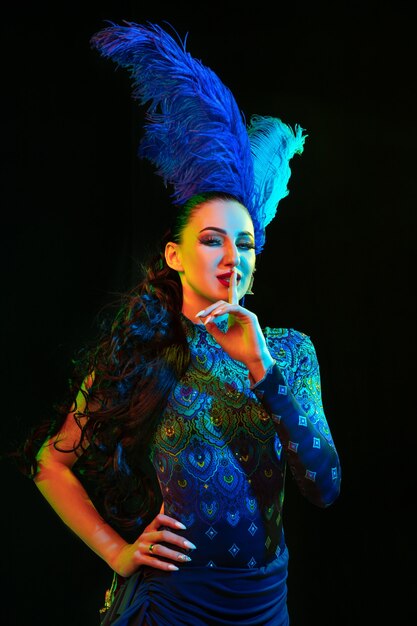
273,144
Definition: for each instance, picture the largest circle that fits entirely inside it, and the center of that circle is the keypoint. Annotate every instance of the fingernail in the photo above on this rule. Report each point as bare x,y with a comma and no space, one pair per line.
173,568
179,525
208,319
184,557
200,313
189,545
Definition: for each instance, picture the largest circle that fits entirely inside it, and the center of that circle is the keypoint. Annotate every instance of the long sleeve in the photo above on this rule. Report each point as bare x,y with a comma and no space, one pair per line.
291,393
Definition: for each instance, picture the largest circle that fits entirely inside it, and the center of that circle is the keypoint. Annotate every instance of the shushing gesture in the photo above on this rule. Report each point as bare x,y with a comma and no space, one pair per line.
243,340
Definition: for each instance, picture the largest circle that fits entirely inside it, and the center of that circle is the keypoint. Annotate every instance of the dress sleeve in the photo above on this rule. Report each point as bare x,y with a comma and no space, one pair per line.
291,393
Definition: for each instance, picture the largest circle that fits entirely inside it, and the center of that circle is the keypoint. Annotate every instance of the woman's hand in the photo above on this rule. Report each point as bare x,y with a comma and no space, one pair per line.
244,340
147,548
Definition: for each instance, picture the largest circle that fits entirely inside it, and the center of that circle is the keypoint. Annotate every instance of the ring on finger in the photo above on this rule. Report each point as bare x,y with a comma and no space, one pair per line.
151,547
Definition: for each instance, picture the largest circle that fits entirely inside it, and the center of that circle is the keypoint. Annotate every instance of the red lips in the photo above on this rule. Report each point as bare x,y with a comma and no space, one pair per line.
224,279
227,275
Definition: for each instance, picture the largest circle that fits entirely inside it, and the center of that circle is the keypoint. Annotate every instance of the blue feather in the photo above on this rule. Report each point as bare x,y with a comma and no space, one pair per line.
194,133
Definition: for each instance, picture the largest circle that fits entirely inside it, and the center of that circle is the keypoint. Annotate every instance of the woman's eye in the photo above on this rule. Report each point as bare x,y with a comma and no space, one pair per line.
246,245
218,241
211,241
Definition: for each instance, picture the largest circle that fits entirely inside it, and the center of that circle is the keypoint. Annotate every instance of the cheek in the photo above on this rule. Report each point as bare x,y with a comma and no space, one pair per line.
191,258
250,263
248,267
244,284
206,258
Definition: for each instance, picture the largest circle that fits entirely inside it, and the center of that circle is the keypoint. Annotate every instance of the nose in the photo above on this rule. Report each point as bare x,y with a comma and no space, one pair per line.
231,255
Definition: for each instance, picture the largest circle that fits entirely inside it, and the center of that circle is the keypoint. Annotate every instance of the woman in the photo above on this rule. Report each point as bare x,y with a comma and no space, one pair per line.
187,406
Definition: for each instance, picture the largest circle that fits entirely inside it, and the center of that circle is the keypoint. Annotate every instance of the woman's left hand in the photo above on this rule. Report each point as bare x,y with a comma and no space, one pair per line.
243,340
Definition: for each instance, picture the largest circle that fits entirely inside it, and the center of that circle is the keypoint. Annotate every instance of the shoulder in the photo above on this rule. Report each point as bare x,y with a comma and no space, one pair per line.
286,336
291,347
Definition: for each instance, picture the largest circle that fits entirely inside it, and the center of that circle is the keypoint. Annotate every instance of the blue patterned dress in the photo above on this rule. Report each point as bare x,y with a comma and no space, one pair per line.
220,452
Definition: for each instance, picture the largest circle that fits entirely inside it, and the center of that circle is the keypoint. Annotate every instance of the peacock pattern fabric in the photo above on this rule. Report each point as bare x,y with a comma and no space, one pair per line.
220,452
222,446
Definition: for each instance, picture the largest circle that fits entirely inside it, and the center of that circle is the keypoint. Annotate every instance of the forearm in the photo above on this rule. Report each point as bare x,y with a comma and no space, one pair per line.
309,449
69,499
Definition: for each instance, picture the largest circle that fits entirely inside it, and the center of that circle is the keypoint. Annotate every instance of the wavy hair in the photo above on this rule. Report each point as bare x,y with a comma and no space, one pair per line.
141,353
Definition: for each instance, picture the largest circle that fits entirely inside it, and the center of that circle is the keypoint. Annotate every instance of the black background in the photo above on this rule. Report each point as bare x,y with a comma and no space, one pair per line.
79,210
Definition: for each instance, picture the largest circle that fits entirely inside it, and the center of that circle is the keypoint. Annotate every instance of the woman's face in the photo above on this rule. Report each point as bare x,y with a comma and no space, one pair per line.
219,236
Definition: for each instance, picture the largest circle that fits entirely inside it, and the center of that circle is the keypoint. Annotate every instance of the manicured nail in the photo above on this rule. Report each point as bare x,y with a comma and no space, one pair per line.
184,557
208,319
179,525
189,545
172,567
200,313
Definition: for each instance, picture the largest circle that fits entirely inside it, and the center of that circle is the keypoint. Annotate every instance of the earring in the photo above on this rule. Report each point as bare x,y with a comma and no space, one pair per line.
249,291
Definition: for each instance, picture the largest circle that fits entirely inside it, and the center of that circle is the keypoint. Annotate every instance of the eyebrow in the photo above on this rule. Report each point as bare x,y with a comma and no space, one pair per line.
223,232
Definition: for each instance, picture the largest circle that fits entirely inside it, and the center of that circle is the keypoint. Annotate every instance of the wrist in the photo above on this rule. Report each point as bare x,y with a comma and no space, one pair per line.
108,544
259,367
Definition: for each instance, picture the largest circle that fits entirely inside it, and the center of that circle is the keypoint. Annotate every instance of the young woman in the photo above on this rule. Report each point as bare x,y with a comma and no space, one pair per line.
188,416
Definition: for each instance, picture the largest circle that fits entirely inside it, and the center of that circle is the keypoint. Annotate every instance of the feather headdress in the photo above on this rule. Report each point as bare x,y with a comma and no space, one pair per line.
195,134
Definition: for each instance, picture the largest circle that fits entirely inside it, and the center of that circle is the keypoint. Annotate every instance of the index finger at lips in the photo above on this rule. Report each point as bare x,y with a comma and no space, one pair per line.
232,294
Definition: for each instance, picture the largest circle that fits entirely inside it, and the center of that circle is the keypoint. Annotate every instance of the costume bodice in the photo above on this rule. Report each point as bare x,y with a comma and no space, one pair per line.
218,457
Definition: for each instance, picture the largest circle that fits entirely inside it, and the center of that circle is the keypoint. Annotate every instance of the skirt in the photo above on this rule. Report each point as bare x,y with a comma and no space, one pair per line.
203,596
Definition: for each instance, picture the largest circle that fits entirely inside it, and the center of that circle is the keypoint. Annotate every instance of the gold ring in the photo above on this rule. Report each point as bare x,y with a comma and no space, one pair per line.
151,547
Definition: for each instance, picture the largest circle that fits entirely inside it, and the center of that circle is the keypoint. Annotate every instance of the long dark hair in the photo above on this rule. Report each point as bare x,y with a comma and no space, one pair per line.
140,354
